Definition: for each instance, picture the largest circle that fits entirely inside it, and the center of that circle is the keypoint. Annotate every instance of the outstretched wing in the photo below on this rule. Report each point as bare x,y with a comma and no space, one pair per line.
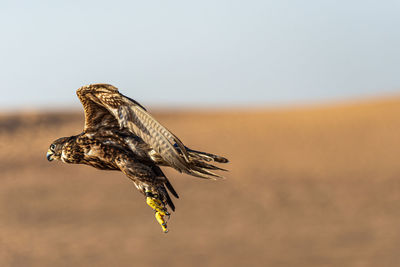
105,106
96,115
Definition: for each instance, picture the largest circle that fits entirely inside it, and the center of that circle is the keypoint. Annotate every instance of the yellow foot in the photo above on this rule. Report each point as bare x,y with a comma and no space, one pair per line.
156,205
159,208
161,221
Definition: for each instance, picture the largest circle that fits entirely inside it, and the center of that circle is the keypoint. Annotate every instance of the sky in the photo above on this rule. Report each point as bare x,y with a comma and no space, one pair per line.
198,53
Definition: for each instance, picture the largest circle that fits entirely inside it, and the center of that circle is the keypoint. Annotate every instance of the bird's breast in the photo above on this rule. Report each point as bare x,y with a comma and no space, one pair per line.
94,151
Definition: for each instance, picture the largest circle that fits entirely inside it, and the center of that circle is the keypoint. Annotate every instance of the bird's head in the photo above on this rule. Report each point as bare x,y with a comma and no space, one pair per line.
56,148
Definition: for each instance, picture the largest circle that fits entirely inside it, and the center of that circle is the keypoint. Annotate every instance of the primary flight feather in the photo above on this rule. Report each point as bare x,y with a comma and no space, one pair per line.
119,134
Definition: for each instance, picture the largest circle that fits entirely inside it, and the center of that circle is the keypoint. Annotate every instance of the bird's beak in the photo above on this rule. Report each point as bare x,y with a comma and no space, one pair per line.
49,155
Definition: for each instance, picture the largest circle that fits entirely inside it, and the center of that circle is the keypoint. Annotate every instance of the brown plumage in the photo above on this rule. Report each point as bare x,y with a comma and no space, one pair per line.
119,134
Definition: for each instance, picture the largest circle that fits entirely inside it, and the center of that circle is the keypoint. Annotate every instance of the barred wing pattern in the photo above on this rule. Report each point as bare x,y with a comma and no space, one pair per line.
105,106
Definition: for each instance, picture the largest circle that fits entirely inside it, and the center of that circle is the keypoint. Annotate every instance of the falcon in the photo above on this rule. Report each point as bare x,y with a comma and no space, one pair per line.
119,134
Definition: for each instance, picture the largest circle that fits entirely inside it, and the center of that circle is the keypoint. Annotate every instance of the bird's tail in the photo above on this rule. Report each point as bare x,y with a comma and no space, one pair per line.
200,166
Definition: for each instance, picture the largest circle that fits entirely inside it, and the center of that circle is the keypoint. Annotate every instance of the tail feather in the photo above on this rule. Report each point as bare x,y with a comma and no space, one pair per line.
202,170
205,165
203,173
200,167
202,155
206,156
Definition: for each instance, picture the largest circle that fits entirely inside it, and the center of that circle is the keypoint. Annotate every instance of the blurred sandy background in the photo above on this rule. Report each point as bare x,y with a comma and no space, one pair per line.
301,96
308,186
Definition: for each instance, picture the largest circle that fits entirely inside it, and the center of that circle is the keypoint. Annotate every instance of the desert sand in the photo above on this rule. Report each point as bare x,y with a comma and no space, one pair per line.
307,186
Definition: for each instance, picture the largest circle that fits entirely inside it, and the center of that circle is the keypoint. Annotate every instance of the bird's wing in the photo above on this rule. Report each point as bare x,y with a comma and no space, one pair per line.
105,106
96,114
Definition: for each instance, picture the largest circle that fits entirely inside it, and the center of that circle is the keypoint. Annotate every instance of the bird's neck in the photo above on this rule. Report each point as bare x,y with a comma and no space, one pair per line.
72,152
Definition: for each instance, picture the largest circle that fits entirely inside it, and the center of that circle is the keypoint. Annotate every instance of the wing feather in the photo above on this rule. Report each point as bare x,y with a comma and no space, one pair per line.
96,115
153,133
105,107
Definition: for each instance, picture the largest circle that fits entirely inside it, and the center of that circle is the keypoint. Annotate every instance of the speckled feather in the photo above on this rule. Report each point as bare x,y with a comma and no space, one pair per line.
119,134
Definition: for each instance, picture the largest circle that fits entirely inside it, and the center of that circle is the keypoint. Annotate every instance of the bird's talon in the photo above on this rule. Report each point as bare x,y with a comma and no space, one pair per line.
161,221
155,204
160,211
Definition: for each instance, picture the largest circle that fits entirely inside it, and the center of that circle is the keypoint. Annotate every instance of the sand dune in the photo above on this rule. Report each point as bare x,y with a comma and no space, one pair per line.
307,187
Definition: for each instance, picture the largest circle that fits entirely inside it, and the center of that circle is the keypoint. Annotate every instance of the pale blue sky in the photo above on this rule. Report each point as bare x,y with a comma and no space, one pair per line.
174,53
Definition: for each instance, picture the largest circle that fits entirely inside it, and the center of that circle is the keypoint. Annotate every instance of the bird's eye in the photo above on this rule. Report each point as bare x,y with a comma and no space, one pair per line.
53,146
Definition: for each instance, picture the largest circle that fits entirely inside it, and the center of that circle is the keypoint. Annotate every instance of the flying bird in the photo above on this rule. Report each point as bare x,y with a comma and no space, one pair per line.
119,134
